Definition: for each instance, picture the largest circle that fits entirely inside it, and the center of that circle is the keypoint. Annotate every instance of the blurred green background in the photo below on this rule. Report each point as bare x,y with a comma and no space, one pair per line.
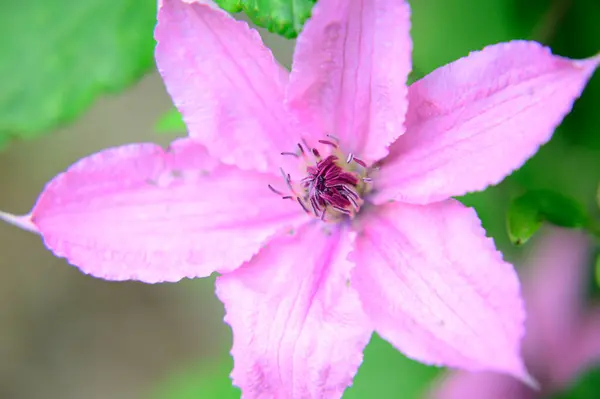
78,77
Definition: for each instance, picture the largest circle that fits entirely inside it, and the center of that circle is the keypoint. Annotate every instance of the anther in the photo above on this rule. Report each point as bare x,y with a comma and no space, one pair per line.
350,158
335,138
287,178
360,162
316,153
290,153
334,145
301,148
347,212
274,190
302,205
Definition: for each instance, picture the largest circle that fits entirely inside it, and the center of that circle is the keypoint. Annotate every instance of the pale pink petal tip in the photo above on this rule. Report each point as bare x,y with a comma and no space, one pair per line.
530,381
24,222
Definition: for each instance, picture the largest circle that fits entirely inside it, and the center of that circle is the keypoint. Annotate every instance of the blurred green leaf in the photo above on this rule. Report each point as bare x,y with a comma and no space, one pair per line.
284,17
170,122
208,380
587,386
385,373
59,55
445,30
527,213
594,290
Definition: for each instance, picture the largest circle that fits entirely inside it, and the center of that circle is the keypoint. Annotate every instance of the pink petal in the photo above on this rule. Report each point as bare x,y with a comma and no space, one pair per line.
437,289
139,212
298,327
554,278
349,73
584,349
482,385
474,121
226,84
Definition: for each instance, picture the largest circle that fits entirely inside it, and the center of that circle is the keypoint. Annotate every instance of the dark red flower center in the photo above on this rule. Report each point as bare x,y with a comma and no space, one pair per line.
333,186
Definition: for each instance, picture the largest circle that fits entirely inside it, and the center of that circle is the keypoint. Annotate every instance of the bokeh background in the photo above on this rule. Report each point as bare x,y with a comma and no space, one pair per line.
66,335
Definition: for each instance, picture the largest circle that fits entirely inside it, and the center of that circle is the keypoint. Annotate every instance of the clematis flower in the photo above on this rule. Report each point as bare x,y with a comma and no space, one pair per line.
563,334
322,197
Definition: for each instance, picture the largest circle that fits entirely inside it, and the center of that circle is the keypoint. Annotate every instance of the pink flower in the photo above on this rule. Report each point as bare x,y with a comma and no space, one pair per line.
366,237
563,337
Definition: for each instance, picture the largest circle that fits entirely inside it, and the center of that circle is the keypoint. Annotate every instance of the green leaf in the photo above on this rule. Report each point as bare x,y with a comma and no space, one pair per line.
527,213
206,380
444,30
284,17
385,373
60,55
170,122
586,386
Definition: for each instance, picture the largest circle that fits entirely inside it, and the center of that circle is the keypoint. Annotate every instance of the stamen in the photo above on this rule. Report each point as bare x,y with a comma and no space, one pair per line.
302,205
354,203
350,192
286,177
360,162
329,190
274,190
347,212
315,207
335,138
334,145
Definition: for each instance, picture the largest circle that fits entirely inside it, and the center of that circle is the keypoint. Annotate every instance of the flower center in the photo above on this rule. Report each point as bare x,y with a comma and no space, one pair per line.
333,186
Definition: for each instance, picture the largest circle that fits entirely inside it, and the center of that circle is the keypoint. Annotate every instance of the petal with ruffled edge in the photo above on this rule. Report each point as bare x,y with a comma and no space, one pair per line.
349,73
225,82
474,121
142,213
437,289
298,327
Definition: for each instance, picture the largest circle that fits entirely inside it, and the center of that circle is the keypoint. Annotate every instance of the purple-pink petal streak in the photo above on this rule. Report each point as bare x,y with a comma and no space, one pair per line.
349,73
474,121
298,327
225,82
481,385
140,212
553,285
437,289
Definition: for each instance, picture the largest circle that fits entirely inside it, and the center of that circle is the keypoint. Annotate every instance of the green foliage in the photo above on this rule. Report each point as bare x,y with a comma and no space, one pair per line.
170,122
284,17
385,373
207,380
446,30
59,55
527,213
587,386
